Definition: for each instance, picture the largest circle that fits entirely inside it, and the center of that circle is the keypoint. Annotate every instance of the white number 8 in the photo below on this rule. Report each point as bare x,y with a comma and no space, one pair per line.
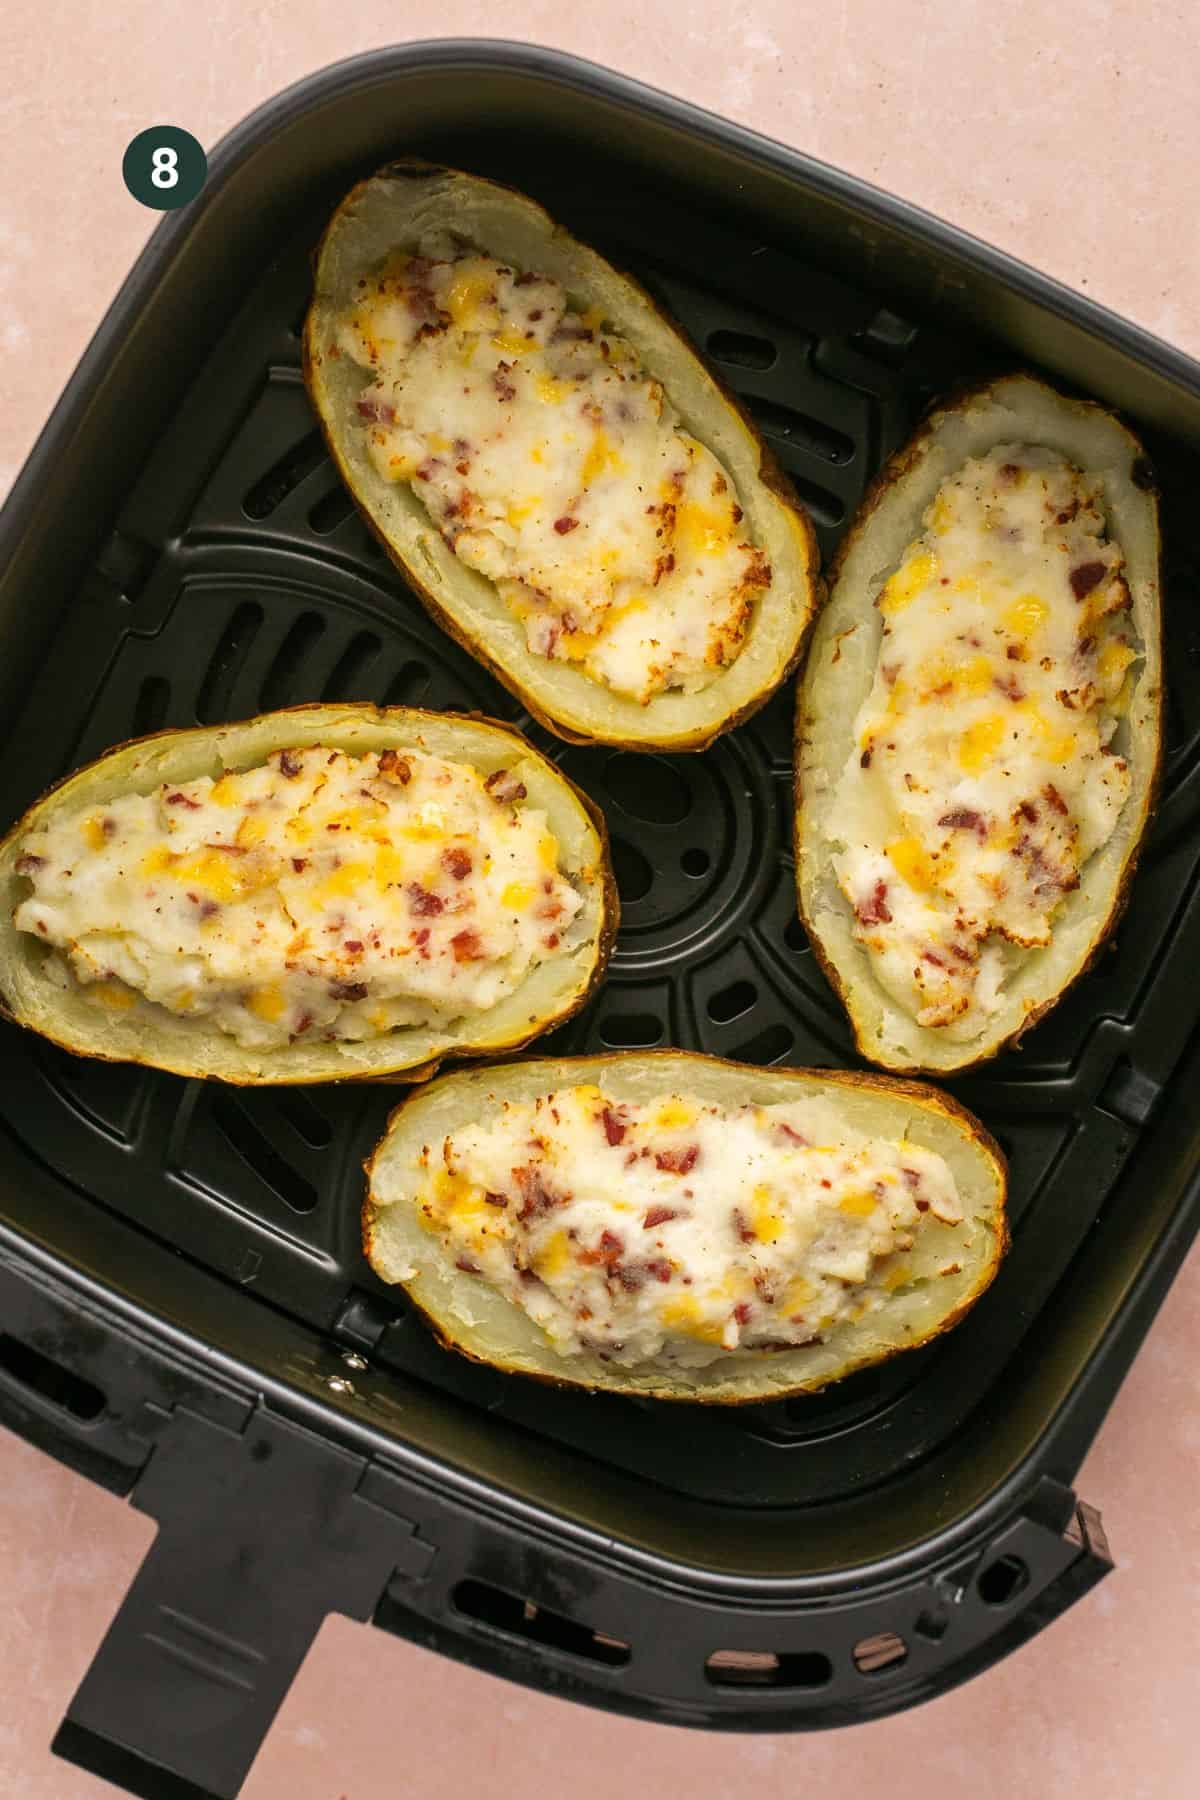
164,167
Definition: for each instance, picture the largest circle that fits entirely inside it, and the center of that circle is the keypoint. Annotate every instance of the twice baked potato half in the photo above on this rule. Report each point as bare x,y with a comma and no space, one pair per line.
980,724
320,894
561,480
677,1226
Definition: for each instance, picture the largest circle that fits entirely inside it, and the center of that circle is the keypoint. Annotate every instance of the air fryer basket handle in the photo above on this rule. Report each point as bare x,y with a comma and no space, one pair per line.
261,1533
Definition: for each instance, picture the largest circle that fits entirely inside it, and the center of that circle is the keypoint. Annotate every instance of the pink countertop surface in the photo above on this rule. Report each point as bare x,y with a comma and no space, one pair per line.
1066,133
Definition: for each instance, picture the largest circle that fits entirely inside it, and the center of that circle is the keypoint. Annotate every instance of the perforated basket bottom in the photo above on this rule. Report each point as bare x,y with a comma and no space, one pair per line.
238,578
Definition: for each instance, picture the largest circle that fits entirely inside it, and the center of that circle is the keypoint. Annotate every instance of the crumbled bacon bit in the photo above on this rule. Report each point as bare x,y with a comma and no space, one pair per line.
1086,577
395,768
658,1268
466,1265
608,1251
677,1162
964,818
183,800
614,1128
503,386
503,786
1054,799
27,863
299,863
302,1025
536,1197
1028,811
354,946
424,904
565,524
789,1131
491,1199
457,862
421,940
348,990
741,1312
864,761
658,1215
874,910
467,946
377,411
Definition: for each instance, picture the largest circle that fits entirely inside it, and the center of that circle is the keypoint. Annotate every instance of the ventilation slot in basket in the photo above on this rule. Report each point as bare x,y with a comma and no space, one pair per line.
740,350
294,1189
631,1031
802,431
150,707
886,1650
732,1001
331,511
500,1611
347,679
42,1375
765,1668
634,875
281,683
237,639
284,476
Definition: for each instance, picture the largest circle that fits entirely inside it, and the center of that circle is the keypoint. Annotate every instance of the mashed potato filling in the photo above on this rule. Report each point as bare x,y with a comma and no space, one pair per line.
318,895
556,467
676,1230
985,772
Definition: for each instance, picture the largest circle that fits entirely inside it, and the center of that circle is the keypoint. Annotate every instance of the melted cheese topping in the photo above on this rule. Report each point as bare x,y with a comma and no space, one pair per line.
675,1230
554,465
984,775
317,894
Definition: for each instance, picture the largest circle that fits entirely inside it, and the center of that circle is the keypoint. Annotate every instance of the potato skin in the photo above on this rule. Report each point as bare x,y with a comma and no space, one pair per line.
341,726
976,1146
802,559
889,481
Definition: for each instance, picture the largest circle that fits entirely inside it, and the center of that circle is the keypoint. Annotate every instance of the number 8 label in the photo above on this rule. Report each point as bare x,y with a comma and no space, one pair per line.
164,167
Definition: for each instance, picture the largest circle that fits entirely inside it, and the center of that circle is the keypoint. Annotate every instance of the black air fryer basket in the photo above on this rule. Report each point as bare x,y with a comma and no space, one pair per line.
185,1313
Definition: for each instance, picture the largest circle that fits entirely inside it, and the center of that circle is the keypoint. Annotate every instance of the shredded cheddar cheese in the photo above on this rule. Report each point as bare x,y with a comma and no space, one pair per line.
555,466
677,1229
315,894
987,771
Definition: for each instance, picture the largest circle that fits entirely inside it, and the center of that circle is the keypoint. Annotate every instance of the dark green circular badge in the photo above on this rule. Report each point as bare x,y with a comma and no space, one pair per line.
164,167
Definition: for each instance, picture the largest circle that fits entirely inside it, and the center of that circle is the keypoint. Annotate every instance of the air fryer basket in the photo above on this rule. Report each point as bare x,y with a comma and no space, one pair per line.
184,1309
